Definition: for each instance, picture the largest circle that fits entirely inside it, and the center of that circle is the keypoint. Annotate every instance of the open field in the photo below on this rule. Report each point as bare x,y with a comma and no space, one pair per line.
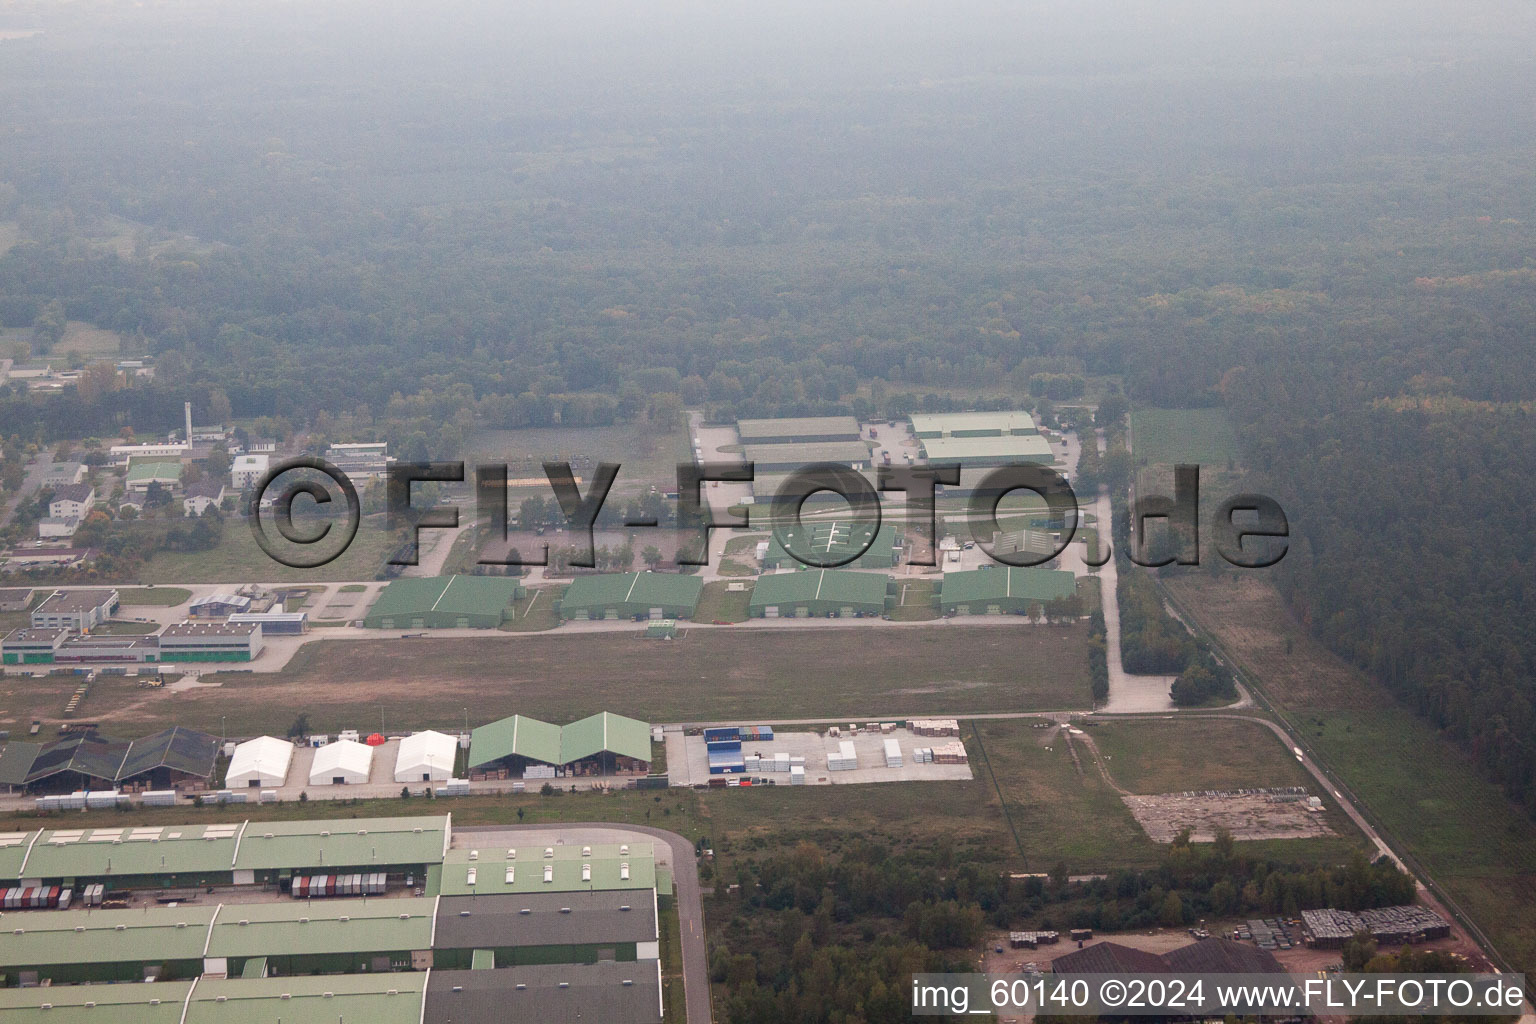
239,559
1422,790
91,343
707,675
1203,437
1172,755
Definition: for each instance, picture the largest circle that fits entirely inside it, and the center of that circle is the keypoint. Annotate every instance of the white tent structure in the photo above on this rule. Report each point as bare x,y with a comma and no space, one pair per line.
425,757
262,761
343,763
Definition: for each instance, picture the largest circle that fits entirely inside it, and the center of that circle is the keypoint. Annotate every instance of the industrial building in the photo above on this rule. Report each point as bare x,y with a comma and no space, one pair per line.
343,763
89,760
850,544
425,757
819,593
444,602
926,426
75,610
602,744
1003,590
262,762
989,451
210,641
146,473
247,470
32,645
798,455
580,942
15,599
631,595
274,623
217,606
798,430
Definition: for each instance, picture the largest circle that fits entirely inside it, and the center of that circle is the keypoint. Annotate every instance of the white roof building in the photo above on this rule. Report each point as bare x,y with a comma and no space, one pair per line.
343,763
262,761
246,470
425,757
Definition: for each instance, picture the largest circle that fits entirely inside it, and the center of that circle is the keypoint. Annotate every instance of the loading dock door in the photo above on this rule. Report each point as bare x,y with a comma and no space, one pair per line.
656,613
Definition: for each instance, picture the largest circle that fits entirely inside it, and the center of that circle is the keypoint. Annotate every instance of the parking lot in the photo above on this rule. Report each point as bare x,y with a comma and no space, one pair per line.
688,758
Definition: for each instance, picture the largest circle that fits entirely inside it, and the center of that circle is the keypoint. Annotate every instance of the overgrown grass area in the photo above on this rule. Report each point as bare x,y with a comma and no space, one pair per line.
535,610
238,559
154,597
718,603
1421,790
1202,437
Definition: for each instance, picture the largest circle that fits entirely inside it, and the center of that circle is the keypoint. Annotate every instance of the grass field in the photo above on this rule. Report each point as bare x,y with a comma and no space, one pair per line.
717,604
1203,437
238,559
1167,756
154,597
709,674
91,343
1422,790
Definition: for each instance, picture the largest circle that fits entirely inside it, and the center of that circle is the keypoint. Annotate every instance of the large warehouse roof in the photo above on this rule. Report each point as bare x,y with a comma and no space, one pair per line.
444,597
1000,582
105,936
797,426
345,842
313,927
557,745
521,869
655,589
835,586
607,991
137,850
184,750
160,1003
805,453
544,919
1016,447
938,423
100,757
391,997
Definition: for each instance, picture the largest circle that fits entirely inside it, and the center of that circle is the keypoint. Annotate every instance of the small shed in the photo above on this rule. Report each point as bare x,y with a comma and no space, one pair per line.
661,629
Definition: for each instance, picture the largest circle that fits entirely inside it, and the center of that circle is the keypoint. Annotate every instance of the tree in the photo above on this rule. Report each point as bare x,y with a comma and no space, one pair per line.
300,727
651,555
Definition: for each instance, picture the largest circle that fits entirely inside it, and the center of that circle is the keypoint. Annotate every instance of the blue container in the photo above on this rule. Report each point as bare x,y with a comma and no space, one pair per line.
724,745
728,732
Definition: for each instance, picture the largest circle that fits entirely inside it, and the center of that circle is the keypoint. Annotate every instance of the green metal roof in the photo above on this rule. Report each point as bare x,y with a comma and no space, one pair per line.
14,847
527,863
1002,583
16,759
519,734
393,997
132,850
836,586
642,589
148,470
602,732
557,745
343,843
158,1003
313,927
105,936
797,426
445,595
185,750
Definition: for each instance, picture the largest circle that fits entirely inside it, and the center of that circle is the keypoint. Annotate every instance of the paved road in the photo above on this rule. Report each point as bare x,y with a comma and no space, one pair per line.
690,904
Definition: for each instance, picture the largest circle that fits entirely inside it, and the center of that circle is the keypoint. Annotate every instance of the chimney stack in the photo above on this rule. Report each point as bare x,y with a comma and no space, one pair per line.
188,410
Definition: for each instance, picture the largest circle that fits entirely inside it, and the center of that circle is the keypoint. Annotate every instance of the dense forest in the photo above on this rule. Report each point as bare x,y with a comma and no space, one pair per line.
1323,222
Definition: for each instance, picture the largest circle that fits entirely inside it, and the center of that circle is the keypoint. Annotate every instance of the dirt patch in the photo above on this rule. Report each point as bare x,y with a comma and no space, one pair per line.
1247,815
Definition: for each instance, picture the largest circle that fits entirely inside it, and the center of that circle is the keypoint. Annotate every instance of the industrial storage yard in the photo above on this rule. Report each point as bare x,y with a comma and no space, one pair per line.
689,760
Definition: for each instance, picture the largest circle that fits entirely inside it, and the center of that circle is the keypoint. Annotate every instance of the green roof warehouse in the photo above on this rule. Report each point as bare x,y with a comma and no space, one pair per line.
444,602
819,593
1006,590
631,595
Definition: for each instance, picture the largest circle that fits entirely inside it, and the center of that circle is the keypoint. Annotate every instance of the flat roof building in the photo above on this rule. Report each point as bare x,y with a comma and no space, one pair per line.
632,595
145,473
533,869
987,451
605,991
798,429
1003,590
444,602
818,593
210,641
76,610
32,645
546,927
274,623
927,425
797,455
